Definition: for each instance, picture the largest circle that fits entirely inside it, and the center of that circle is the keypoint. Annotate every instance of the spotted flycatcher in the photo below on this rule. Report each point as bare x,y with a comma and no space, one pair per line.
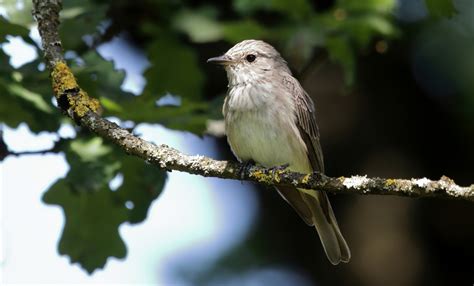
270,119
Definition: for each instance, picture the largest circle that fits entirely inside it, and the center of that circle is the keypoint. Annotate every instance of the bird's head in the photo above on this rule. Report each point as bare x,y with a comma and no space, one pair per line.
250,60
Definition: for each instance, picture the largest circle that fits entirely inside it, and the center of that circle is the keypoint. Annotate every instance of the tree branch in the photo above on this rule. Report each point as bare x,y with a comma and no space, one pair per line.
54,149
37,152
4,151
75,102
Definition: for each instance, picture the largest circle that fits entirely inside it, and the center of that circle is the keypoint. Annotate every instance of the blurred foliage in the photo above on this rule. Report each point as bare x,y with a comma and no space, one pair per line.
18,11
174,35
456,71
441,8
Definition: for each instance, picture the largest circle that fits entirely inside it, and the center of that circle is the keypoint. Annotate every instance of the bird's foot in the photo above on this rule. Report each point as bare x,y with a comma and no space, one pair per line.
274,170
245,168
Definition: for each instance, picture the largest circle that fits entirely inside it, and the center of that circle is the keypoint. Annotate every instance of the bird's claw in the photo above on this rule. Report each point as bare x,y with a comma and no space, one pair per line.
245,168
274,170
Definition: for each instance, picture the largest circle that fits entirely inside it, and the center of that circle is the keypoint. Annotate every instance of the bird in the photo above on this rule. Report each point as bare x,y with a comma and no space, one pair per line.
270,120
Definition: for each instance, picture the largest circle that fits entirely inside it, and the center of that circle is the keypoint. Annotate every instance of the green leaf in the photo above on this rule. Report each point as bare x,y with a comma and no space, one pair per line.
198,25
18,12
35,99
341,52
20,104
296,9
191,115
237,31
12,112
193,121
100,79
36,81
250,6
90,150
92,218
92,163
8,28
142,185
93,212
111,105
299,44
174,69
80,18
441,8
364,28
372,6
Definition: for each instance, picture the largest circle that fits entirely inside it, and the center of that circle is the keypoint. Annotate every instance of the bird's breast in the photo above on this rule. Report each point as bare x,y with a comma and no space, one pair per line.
261,127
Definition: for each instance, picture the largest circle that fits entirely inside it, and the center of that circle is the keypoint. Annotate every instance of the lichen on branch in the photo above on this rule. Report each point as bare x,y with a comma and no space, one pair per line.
62,79
71,98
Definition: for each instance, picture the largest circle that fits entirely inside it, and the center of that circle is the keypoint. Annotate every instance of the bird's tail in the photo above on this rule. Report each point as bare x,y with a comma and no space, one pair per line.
326,225
316,211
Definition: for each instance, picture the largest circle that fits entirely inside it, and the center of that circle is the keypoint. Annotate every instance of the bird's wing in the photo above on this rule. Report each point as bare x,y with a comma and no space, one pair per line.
306,121
322,215
309,132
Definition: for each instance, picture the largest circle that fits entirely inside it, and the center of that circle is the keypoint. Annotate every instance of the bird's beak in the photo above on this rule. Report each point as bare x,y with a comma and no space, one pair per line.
222,60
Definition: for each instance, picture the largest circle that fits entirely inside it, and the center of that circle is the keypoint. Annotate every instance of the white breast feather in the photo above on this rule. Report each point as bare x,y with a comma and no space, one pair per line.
255,125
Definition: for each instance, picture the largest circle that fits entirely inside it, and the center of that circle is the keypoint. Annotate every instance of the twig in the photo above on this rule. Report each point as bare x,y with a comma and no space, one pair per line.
83,110
37,152
4,151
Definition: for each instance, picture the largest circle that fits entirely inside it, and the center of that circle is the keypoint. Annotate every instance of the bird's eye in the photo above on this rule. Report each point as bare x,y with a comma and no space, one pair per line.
250,58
